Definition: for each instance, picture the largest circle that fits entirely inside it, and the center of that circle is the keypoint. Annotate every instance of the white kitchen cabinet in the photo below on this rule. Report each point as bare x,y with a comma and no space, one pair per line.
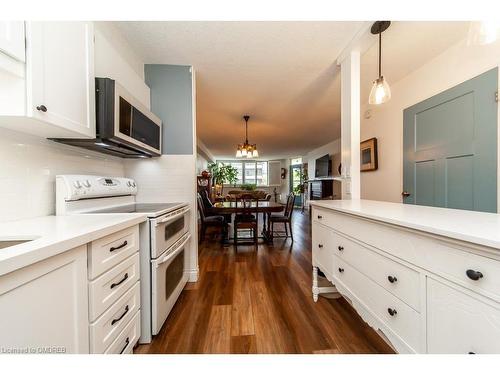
44,307
460,323
56,97
12,39
60,75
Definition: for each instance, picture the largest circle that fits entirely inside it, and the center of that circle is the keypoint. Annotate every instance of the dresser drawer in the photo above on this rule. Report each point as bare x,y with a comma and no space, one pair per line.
322,249
105,329
396,278
124,343
404,321
107,288
108,251
458,323
448,260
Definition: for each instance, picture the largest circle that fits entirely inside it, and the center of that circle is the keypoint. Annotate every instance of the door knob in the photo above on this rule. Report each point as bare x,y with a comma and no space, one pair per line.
405,194
41,108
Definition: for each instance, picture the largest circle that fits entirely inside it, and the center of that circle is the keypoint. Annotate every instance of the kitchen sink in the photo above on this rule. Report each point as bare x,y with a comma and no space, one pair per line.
9,243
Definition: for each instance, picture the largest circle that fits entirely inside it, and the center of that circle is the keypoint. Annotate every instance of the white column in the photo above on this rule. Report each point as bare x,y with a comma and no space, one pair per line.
350,124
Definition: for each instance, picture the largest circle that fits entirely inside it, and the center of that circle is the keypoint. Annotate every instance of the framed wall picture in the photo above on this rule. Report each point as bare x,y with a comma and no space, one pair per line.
369,155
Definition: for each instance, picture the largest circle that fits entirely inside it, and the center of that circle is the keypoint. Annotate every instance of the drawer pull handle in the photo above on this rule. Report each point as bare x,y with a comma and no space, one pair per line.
125,243
127,341
392,312
471,353
341,248
119,282
114,321
341,270
474,275
320,217
392,279
320,246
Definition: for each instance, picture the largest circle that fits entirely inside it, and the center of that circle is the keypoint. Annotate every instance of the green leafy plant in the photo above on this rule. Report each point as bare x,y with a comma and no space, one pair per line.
299,189
222,173
248,187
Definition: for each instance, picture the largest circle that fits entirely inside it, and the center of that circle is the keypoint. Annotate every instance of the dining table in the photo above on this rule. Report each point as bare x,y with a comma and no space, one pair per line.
265,207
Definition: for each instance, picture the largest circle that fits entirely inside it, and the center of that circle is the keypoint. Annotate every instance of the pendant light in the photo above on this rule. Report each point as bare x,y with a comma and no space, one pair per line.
246,150
381,92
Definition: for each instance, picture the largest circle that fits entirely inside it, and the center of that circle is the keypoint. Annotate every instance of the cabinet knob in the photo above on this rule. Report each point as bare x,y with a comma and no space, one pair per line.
341,270
405,194
340,248
320,246
392,279
320,217
474,275
41,108
392,312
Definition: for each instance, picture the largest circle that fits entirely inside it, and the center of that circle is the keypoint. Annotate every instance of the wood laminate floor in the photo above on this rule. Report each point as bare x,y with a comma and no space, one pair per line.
261,302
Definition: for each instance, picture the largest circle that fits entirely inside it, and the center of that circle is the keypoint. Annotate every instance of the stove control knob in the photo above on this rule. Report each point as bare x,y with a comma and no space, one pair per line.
129,183
87,184
77,184
134,184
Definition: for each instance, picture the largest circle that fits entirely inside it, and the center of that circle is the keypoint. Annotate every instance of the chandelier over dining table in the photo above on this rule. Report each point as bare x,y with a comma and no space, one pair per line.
247,150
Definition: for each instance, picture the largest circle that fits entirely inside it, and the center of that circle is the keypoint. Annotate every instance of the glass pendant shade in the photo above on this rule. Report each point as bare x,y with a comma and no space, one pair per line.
381,92
243,152
255,153
238,153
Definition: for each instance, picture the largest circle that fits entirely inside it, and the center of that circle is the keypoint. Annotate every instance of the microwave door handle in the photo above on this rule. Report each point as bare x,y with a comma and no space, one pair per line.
171,254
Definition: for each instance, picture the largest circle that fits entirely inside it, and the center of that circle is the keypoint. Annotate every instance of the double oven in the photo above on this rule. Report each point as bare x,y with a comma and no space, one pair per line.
169,261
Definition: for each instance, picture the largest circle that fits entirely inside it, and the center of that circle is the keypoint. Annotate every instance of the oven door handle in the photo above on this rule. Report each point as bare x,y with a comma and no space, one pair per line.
172,253
170,218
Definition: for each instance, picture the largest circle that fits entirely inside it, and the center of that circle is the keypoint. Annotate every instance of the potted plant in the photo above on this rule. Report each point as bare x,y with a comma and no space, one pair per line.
222,173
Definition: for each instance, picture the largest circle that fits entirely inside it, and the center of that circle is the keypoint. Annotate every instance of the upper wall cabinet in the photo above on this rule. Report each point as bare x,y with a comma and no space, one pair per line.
12,39
56,98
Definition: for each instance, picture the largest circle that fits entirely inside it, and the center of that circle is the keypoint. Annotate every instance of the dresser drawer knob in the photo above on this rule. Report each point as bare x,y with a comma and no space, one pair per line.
392,279
392,312
341,270
341,248
320,217
41,108
474,275
320,246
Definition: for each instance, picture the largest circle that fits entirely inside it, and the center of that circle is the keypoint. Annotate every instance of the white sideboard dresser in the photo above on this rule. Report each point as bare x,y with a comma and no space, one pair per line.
426,278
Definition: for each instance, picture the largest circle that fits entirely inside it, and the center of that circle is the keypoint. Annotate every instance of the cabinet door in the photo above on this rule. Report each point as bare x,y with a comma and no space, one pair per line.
44,307
60,76
459,323
12,39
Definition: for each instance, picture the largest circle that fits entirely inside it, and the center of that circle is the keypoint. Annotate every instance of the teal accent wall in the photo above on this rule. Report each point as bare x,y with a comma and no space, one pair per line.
172,101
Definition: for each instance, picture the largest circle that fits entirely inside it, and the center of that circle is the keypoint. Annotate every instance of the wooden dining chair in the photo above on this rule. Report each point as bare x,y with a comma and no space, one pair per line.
210,221
245,218
285,218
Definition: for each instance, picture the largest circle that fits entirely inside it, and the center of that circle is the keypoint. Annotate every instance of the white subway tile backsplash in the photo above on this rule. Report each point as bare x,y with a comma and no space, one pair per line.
28,166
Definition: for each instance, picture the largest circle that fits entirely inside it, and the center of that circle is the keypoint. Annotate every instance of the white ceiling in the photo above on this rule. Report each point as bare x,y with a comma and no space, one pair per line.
281,73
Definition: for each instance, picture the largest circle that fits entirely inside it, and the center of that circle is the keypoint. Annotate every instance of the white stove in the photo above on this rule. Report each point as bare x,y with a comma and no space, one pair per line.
164,238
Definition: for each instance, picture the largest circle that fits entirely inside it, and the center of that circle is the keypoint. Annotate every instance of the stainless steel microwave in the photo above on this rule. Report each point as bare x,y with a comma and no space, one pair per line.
124,126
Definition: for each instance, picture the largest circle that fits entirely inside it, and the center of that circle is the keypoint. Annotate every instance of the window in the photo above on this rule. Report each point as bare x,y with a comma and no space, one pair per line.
296,161
250,172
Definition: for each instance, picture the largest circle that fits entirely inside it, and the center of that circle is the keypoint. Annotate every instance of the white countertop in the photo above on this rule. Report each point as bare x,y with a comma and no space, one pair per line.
56,234
475,227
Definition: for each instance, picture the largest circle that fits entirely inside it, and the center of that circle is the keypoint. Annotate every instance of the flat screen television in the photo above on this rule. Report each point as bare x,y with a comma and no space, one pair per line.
322,168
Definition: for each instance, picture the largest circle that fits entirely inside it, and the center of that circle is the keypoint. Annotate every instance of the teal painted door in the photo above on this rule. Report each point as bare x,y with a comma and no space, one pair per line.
450,147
